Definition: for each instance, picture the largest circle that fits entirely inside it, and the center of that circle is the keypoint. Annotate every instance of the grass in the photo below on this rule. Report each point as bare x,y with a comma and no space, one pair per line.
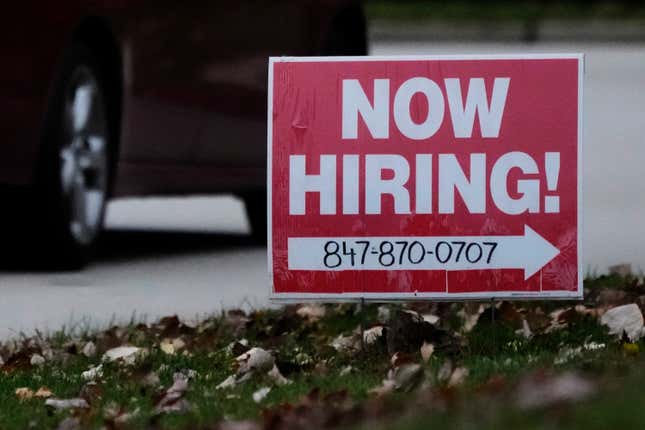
493,349
501,10
212,364
618,406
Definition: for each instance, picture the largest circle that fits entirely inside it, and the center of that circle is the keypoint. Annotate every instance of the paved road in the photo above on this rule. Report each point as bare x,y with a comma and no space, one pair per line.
188,256
192,256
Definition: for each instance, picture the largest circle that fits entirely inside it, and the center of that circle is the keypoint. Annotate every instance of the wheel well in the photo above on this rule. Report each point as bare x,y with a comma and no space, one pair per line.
348,32
96,33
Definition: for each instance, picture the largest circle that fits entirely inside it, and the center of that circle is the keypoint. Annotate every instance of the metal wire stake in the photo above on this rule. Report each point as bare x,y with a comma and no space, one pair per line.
362,325
494,326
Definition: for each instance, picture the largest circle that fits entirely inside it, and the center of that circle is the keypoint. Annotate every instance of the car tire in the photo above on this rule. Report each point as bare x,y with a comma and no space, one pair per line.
256,212
75,167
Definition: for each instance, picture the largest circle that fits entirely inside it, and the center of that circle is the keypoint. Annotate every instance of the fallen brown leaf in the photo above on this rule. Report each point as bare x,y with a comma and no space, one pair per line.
24,393
543,390
75,403
43,393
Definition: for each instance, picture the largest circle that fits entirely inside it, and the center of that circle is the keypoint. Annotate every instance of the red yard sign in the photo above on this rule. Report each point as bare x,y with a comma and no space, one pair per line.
444,177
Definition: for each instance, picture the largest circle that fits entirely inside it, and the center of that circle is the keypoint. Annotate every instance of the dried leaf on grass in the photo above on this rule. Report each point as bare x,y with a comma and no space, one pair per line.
458,376
93,373
315,411
255,360
173,398
346,370
69,423
624,320
372,335
43,393
543,390
172,346
24,393
427,349
89,349
408,331
92,392
384,314
311,312
404,376
229,382
470,316
116,416
37,360
260,395
75,403
239,425
150,379
127,355
347,344
276,376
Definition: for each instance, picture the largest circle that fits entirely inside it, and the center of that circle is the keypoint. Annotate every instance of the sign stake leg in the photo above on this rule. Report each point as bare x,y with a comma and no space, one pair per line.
493,325
361,310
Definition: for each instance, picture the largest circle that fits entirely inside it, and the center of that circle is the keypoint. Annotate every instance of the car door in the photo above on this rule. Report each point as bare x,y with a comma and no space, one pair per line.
162,111
234,41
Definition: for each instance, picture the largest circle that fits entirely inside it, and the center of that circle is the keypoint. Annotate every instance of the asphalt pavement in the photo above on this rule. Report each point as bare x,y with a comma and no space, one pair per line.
193,256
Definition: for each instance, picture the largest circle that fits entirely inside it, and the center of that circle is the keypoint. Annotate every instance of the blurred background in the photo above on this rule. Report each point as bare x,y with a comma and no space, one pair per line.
508,21
611,34
154,246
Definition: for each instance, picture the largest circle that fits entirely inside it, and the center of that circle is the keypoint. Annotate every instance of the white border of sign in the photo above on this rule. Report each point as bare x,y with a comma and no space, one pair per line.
384,297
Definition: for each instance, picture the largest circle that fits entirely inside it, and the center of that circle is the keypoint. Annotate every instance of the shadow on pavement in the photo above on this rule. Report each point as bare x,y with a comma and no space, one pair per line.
135,245
119,245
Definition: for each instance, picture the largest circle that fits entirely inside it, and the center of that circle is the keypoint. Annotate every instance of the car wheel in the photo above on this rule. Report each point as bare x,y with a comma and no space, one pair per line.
75,167
256,212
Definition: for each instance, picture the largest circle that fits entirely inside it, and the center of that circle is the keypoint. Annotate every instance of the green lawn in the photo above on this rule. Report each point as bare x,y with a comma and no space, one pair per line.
618,405
473,379
500,10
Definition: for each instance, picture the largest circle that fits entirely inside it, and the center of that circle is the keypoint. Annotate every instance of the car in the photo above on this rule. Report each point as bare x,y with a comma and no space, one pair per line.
115,98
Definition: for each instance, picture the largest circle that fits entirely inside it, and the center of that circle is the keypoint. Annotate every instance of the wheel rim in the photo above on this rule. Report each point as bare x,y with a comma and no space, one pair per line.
83,156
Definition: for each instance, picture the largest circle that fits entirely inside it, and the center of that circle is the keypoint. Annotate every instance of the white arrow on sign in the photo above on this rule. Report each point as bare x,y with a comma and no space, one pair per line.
530,252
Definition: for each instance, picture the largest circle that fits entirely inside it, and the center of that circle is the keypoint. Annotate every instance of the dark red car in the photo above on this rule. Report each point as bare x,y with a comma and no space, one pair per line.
111,98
